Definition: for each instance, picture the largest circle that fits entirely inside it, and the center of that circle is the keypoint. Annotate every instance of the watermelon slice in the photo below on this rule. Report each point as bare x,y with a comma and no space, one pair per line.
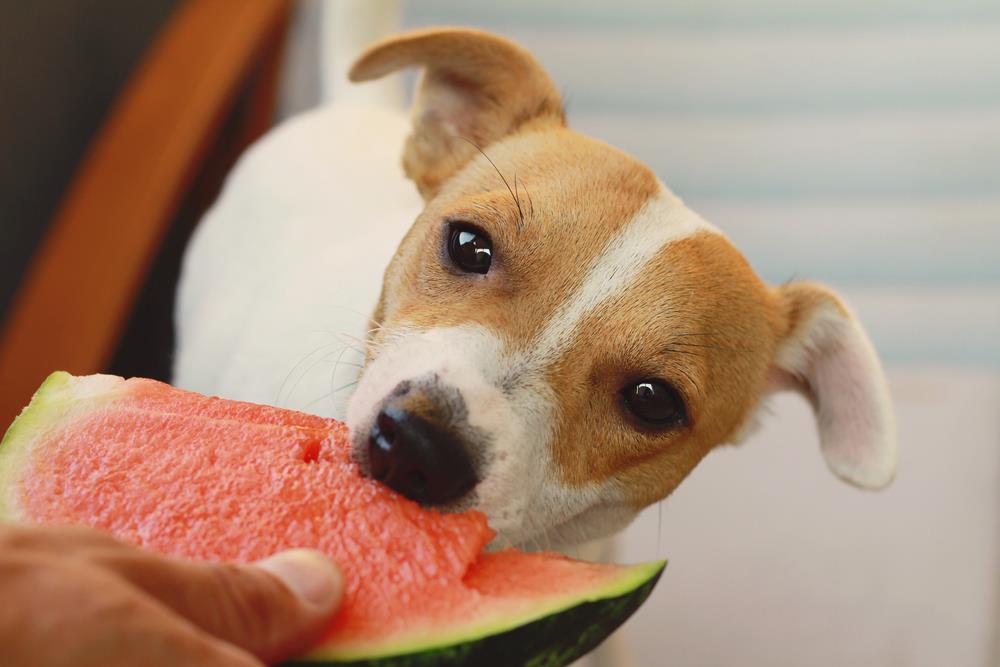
205,478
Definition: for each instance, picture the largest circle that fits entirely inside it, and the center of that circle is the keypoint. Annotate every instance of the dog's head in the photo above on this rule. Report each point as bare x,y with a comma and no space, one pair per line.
559,340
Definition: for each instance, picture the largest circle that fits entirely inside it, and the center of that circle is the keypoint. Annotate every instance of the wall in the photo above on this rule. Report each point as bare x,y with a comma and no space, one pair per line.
852,142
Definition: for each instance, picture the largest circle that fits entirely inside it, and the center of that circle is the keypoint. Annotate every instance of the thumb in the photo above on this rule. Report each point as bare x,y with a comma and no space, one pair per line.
318,588
276,608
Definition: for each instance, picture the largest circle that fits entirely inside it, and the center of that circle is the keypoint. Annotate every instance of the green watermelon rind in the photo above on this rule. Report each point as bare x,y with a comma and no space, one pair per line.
52,405
550,635
552,638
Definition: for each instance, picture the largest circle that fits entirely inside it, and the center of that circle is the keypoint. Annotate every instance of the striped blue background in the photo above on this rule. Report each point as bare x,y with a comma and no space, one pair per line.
855,142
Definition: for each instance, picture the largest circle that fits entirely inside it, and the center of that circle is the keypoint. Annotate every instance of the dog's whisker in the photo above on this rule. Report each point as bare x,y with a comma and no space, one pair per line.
709,347
535,539
298,364
544,536
344,386
517,202
367,316
703,335
351,346
692,353
531,204
547,536
691,333
328,394
581,533
316,400
336,366
686,344
517,198
306,371
352,337
691,380
327,332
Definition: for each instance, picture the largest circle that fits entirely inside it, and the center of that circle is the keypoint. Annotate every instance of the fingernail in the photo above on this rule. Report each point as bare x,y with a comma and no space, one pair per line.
309,574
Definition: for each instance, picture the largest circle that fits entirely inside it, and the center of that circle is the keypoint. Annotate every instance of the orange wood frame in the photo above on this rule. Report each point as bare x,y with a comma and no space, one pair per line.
83,282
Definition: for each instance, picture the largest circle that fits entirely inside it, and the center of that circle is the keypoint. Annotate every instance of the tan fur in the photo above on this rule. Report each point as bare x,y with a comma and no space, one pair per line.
416,401
585,192
572,189
476,88
698,318
697,315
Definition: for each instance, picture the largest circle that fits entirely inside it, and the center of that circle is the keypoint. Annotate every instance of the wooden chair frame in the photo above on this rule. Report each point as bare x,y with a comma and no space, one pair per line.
85,277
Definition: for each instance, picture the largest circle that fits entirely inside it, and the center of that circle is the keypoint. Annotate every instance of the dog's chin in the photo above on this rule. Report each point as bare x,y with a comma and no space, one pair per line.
592,524
524,531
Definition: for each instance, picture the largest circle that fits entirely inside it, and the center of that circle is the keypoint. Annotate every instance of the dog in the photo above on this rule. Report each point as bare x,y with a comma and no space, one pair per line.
546,333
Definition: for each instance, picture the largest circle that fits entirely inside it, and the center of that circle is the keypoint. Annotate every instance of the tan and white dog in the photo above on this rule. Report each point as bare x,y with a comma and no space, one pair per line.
557,339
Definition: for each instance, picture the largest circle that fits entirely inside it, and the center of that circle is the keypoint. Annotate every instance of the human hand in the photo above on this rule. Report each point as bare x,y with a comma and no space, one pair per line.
75,596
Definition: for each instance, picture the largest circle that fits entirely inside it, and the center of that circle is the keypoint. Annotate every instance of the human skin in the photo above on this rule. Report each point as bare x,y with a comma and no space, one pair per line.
76,596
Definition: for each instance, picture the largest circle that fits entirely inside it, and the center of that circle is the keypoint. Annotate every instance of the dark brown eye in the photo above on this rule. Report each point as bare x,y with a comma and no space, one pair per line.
470,248
655,403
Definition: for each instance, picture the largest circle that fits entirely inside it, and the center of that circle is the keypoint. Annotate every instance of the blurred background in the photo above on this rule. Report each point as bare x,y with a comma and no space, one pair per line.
853,142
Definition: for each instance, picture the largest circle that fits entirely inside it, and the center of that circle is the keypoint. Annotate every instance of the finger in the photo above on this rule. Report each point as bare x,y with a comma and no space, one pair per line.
158,637
62,611
55,539
200,649
275,609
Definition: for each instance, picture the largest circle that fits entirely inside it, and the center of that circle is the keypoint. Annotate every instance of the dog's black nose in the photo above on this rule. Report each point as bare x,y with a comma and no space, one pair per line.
418,459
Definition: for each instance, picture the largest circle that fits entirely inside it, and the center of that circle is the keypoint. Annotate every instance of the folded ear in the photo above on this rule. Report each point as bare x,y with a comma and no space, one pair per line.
827,356
476,87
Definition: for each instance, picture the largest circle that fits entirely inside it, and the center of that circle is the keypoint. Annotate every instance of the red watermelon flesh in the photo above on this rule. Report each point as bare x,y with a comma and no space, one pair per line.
205,478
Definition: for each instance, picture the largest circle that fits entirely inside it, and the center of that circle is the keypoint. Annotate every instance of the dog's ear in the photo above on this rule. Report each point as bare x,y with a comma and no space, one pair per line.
476,88
826,355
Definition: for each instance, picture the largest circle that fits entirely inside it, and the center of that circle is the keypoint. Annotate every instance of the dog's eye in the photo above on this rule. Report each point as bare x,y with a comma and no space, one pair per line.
655,403
470,248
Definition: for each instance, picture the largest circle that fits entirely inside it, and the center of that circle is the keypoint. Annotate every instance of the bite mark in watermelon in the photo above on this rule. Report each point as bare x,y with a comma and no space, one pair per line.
206,478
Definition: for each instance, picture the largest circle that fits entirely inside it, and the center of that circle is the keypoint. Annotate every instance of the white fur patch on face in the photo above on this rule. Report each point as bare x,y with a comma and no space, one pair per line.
508,399
519,491
662,220
467,358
